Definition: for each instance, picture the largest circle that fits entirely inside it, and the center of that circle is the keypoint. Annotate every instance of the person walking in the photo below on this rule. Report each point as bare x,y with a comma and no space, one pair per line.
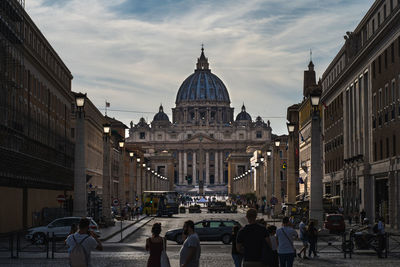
251,239
381,236
303,238
312,236
81,243
274,245
268,211
236,255
189,255
155,245
363,215
286,250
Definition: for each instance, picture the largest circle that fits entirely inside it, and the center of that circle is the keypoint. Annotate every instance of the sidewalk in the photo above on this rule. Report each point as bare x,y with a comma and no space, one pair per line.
111,231
129,230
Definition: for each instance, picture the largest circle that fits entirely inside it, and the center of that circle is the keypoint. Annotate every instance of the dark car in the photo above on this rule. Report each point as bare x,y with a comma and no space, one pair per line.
335,223
208,230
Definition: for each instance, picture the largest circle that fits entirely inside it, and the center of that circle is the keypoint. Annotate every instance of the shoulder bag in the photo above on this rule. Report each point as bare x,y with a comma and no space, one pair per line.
290,241
164,256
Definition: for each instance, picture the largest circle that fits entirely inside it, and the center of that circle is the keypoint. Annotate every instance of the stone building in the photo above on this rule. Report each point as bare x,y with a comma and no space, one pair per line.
203,132
36,150
361,92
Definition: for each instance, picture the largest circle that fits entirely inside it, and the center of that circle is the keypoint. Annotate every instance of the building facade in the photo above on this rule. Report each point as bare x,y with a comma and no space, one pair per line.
361,120
36,149
201,135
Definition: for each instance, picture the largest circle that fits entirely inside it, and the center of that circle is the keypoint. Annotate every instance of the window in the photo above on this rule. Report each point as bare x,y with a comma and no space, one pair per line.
386,59
384,11
391,5
392,52
280,154
374,104
393,96
379,19
380,105
394,150
159,136
72,132
258,134
189,136
373,69
241,136
282,175
212,135
386,95
381,149
142,135
375,152
387,147
379,65
373,26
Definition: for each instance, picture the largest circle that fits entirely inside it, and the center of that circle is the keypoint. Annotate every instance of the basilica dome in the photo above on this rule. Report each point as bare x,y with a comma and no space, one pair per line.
202,85
161,116
243,115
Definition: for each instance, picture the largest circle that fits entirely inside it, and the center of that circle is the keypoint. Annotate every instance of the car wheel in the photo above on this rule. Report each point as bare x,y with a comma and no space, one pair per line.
179,239
39,239
226,239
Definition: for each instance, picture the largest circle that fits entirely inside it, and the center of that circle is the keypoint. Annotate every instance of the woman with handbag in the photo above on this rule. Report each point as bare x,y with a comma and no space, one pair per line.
157,246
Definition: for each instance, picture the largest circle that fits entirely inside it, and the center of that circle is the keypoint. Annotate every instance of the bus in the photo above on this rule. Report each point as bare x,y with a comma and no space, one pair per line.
160,203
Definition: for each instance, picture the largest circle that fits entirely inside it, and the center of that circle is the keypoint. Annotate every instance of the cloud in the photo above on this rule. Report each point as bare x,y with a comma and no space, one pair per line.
136,54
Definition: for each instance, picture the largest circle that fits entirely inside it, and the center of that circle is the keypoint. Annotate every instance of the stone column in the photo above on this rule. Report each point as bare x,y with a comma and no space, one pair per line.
106,180
194,167
180,170
184,167
207,180
131,182
221,168
201,171
291,177
80,193
139,179
316,209
216,167
121,182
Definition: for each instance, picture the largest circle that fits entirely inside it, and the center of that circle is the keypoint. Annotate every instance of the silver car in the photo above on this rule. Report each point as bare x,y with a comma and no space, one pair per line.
60,227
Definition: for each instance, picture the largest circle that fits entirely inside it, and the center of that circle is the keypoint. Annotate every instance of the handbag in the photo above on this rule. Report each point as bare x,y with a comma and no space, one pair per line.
164,256
290,241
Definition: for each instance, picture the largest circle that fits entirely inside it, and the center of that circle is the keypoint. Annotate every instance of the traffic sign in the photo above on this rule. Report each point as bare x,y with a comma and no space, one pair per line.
115,202
60,198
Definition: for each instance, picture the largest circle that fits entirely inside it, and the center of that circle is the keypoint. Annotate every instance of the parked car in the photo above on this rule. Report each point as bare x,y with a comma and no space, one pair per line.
208,230
335,223
60,227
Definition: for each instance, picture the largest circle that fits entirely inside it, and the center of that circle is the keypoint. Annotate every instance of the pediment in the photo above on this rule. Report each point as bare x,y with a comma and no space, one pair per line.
200,138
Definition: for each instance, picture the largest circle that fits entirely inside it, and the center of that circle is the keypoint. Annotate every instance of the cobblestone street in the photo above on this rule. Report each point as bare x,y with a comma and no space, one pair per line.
132,253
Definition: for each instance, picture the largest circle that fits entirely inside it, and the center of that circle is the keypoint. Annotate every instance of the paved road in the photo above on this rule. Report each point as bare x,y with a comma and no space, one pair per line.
132,252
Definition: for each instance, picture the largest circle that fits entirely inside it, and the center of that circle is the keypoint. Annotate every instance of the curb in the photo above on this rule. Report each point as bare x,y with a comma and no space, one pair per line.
119,231
128,235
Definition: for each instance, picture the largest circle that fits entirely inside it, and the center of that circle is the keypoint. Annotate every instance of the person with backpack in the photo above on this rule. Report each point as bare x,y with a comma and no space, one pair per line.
312,237
81,244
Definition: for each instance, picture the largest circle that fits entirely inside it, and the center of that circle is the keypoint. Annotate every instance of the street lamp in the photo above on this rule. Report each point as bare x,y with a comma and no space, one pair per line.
138,160
144,165
121,182
106,129
277,142
80,191
121,144
316,197
269,152
131,154
290,127
148,168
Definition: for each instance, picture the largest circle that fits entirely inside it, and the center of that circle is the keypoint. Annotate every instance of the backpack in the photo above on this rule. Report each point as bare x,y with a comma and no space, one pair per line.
78,256
375,228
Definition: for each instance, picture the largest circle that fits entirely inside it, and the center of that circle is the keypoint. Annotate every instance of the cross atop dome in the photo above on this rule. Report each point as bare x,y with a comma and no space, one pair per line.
202,61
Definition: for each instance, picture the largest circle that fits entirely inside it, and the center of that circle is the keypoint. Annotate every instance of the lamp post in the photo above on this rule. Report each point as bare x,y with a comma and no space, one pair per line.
316,207
106,173
80,191
276,181
131,178
291,175
121,182
139,181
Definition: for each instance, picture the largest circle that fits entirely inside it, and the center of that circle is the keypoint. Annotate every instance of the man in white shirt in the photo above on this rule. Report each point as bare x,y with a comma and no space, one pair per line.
286,249
86,238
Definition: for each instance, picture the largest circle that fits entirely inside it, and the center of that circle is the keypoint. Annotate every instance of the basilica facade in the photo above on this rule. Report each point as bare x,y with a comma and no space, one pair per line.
192,148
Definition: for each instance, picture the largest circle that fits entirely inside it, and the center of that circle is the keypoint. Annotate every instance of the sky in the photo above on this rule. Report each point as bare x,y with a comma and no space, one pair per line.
136,53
